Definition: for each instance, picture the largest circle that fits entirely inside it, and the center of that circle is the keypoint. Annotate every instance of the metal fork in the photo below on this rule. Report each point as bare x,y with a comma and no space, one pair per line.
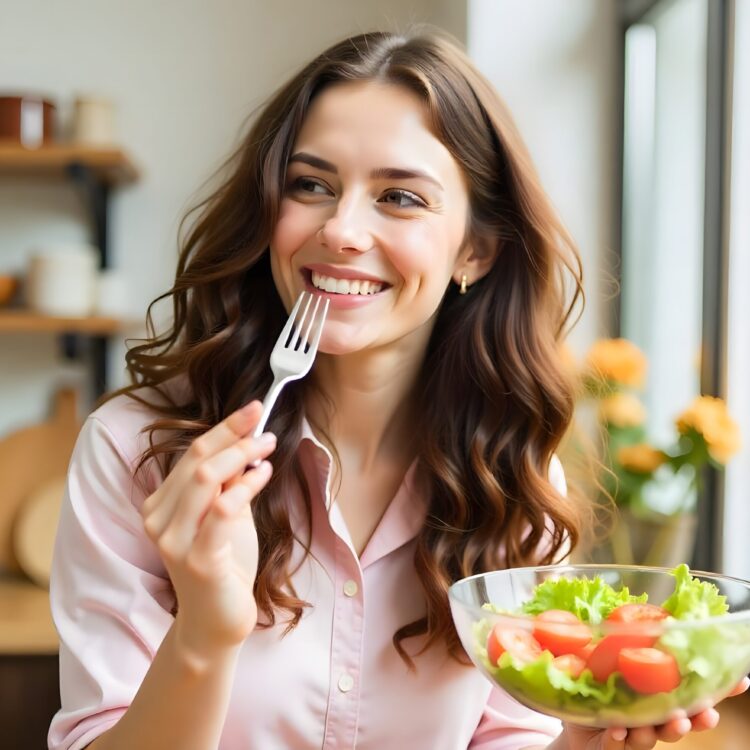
295,349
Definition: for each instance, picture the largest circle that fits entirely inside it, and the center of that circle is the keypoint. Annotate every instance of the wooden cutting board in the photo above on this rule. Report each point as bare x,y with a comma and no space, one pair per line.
30,457
35,529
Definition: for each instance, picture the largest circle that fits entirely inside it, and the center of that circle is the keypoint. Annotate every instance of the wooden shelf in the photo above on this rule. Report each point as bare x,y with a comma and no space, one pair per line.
26,625
112,165
25,321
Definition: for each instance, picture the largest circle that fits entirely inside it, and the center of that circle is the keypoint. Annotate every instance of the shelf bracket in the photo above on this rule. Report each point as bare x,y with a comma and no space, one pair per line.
96,194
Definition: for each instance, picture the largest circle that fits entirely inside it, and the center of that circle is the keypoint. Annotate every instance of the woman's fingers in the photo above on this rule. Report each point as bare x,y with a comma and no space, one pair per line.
707,719
614,739
237,425
741,687
215,530
641,738
193,504
674,730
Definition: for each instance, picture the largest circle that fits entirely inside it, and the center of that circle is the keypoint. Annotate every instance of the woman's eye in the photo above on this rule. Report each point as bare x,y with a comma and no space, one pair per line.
306,185
402,199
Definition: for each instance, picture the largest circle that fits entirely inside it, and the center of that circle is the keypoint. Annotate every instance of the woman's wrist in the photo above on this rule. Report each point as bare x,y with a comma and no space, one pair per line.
197,653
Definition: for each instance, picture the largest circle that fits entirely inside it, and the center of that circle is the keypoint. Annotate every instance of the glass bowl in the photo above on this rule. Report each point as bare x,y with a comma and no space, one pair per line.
697,662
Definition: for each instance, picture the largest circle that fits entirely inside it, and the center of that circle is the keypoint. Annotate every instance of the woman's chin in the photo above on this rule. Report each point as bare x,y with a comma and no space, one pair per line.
336,348
338,345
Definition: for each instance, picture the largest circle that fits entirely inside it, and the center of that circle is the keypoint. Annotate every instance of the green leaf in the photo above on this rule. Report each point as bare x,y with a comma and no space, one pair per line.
693,599
590,599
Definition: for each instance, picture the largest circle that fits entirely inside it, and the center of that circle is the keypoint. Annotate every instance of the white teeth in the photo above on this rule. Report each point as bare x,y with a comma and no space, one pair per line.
345,286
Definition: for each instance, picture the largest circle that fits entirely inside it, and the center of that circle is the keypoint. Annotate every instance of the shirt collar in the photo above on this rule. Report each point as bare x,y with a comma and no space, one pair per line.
403,518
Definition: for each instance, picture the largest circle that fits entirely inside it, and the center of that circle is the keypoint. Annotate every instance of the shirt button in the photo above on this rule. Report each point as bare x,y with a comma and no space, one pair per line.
351,588
346,683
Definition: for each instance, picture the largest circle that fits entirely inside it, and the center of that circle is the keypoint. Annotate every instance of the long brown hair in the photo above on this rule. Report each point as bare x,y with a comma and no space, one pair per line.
495,399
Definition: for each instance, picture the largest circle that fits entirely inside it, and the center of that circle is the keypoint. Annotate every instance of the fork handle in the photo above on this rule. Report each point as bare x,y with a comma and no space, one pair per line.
268,402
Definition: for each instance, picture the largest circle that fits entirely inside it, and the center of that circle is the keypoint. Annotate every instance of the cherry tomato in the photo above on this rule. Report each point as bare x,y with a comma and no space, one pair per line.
561,632
585,652
570,663
648,670
637,613
517,641
603,659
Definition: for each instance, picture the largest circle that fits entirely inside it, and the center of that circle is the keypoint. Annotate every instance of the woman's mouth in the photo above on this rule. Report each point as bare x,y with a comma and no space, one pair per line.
353,287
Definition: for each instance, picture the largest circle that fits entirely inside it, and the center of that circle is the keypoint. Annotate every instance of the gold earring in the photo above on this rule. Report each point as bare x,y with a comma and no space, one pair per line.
464,287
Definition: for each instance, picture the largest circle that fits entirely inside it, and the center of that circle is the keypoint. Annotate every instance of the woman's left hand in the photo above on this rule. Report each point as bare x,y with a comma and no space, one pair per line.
642,738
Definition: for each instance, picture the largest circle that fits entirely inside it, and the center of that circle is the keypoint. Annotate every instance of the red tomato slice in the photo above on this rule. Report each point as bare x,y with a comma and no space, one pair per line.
517,641
570,663
561,632
637,613
641,618
585,652
649,670
603,659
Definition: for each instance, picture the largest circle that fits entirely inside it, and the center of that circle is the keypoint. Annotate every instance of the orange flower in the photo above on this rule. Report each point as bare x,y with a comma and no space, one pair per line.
709,417
622,410
640,458
619,361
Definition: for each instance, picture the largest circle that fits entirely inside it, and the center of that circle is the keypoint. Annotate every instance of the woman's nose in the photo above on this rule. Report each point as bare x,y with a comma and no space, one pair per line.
347,229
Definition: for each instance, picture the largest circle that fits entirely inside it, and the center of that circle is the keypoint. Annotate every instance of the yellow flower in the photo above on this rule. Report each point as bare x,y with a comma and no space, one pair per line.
622,410
709,417
640,458
618,360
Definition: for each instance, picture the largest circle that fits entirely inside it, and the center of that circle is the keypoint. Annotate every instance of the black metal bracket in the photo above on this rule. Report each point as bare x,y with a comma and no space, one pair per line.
95,191
96,194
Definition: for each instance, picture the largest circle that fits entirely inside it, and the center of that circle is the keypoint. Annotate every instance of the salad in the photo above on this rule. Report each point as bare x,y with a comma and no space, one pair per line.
608,656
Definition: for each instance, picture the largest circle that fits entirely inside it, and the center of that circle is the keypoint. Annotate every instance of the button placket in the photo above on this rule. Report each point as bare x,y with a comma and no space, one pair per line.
346,653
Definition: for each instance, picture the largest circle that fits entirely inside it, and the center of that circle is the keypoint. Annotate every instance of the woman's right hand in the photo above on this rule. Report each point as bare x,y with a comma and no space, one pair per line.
200,520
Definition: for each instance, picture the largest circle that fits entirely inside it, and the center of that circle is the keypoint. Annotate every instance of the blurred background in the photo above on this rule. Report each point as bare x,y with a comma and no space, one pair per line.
637,113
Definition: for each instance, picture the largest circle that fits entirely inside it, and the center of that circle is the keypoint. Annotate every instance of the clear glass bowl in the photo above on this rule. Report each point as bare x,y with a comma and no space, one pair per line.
713,653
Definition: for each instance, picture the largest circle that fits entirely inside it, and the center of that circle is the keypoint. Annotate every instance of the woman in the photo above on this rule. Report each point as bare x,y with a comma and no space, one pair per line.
386,176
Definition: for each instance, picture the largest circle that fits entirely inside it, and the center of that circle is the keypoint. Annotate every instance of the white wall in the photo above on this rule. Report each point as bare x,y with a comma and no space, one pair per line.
555,64
184,75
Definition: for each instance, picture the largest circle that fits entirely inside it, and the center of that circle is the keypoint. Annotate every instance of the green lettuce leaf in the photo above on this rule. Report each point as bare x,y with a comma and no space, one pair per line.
591,599
693,599
708,656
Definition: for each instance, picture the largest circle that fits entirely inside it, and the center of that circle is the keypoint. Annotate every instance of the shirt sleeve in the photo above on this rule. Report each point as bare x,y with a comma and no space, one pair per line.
505,723
109,594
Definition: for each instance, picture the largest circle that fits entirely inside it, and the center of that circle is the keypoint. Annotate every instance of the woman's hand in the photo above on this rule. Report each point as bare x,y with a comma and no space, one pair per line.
201,522
643,738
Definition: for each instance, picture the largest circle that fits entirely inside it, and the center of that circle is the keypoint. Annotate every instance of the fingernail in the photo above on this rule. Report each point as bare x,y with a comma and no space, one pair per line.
264,467
267,438
619,734
684,726
248,408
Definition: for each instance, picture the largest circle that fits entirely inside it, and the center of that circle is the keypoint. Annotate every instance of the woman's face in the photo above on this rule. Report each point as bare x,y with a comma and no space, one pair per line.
373,217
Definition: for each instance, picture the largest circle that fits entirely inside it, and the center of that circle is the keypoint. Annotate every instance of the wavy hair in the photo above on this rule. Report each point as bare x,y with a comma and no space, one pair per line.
493,361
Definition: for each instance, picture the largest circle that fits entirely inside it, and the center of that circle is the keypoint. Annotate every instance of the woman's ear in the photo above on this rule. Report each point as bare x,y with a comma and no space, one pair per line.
476,258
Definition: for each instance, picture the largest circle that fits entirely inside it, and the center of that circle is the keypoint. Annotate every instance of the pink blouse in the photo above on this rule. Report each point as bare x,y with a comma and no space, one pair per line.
334,682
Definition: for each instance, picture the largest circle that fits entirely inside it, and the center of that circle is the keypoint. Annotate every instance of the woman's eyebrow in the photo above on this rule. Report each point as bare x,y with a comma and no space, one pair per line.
388,173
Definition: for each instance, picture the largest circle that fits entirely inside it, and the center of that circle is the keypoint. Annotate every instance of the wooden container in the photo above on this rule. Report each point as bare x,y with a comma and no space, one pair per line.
28,120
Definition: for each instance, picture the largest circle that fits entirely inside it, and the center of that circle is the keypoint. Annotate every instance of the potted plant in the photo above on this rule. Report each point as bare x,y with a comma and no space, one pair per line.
634,469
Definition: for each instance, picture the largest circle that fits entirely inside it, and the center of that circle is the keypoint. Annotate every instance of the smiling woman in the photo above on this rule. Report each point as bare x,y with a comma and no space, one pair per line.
203,604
